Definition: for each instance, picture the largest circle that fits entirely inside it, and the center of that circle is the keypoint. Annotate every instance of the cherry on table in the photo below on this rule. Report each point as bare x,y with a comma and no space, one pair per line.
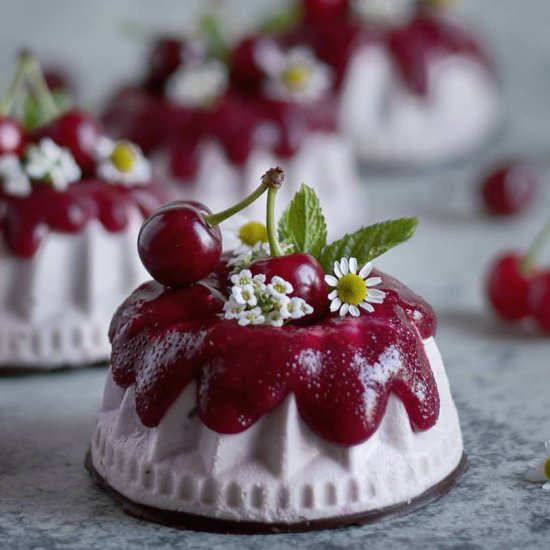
508,287
12,136
177,245
306,276
510,188
539,300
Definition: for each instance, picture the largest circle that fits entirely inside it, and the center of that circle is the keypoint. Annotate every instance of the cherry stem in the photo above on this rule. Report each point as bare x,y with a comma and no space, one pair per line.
274,246
271,179
6,103
529,261
40,88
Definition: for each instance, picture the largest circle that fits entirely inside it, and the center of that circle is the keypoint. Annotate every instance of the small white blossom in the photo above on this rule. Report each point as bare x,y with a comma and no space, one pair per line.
251,317
232,309
353,290
14,179
539,469
198,84
384,12
244,295
244,277
46,161
279,287
295,74
122,162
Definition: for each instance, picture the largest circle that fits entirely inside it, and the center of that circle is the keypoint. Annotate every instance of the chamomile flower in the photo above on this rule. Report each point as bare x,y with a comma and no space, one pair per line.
353,289
295,74
198,83
47,161
539,469
14,179
122,162
384,12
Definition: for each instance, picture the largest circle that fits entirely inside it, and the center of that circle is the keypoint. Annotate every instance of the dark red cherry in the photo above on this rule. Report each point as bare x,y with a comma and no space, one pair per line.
246,74
306,276
177,246
324,10
164,59
508,287
510,189
539,301
12,136
78,132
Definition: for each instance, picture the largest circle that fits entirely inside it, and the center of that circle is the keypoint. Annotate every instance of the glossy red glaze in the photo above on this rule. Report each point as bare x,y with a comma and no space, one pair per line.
24,222
305,275
12,136
510,189
539,300
341,370
177,246
508,287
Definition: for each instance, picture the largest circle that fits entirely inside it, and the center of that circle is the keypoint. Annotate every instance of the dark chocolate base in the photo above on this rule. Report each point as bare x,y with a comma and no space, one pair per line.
185,521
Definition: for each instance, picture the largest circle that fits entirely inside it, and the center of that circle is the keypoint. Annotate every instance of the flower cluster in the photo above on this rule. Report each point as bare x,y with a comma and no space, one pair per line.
253,302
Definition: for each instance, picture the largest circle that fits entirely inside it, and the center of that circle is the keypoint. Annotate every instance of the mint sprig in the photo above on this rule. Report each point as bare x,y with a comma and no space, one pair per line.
368,243
303,224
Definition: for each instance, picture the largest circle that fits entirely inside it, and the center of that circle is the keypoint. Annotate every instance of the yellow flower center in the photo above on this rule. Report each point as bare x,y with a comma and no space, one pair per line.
123,157
253,232
352,289
297,77
547,468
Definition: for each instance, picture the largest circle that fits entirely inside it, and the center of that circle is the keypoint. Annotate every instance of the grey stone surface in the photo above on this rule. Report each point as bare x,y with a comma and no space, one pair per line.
499,374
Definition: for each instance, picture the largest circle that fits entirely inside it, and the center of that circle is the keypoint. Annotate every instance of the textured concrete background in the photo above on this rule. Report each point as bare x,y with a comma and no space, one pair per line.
499,374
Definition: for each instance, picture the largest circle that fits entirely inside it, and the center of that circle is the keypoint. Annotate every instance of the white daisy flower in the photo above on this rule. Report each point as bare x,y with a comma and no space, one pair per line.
46,161
251,317
384,12
14,179
198,84
278,287
295,74
122,162
539,469
245,295
352,289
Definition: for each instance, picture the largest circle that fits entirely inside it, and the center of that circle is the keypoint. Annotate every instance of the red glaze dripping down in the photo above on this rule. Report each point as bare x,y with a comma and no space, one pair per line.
341,370
25,221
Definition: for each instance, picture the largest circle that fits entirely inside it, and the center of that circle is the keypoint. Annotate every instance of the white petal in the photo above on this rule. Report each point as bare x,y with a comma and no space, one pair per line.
333,294
353,265
354,310
367,307
331,280
344,309
375,293
546,486
373,281
365,270
373,300
535,471
335,304
337,270
344,266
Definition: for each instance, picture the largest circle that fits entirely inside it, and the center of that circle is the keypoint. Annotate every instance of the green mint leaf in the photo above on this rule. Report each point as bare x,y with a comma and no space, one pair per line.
369,242
303,223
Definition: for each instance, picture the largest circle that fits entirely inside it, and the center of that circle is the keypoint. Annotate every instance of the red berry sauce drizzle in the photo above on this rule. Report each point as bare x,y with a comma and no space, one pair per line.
341,370
25,221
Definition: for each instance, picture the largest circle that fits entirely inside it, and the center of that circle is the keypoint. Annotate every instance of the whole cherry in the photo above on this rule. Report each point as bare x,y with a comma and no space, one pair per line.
508,286
539,301
12,136
510,188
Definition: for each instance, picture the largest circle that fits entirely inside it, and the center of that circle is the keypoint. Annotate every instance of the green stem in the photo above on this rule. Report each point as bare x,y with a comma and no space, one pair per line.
6,103
529,261
274,246
40,88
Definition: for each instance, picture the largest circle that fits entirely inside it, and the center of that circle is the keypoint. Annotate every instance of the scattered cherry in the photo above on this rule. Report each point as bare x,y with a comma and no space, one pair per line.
177,246
510,189
306,276
508,287
77,131
12,136
539,300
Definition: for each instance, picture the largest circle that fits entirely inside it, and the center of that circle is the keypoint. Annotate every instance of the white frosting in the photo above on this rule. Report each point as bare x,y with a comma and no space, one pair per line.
278,470
324,161
389,124
56,307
